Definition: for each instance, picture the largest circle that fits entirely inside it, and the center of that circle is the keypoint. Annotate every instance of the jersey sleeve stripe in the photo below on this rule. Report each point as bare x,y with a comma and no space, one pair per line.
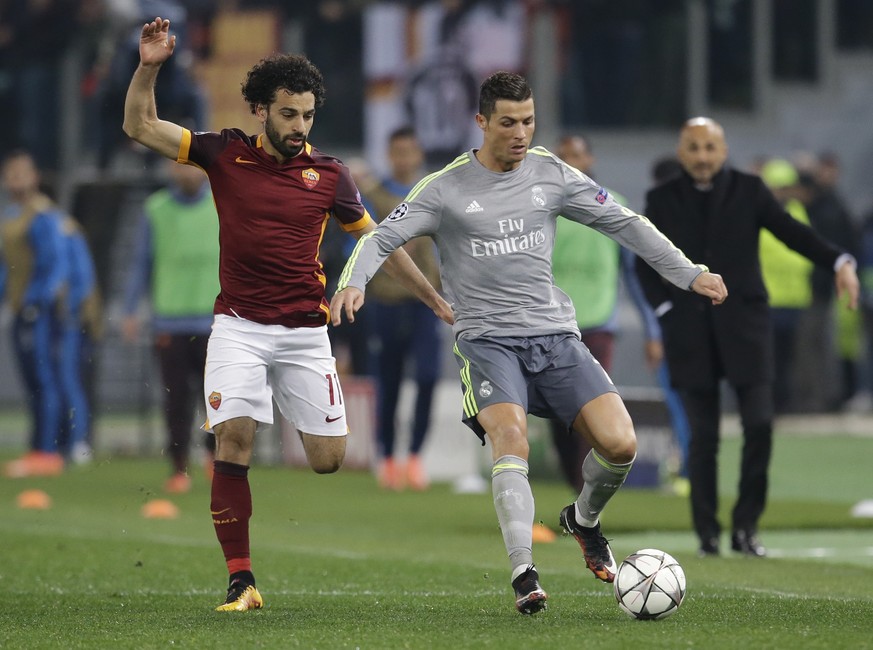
346,275
357,225
424,182
184,146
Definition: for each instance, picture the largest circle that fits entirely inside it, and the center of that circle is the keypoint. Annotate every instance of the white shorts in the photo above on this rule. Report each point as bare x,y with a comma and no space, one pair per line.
247,364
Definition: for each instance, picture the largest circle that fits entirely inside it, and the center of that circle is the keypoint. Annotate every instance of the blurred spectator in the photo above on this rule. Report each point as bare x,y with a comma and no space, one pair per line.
589,267
716,214
178,239
827,372
787,279
829,215
82,327
462,42
402,327
34,281
440,96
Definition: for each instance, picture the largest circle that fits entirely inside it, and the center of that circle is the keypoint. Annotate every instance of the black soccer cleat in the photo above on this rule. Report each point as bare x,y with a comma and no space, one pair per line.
529,596
595,548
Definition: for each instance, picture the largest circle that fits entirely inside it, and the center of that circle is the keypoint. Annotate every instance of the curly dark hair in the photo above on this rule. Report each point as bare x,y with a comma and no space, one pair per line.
502,85
292,72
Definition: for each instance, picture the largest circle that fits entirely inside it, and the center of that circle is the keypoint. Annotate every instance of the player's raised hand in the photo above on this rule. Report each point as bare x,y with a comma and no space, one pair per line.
155,43
710,285
347,302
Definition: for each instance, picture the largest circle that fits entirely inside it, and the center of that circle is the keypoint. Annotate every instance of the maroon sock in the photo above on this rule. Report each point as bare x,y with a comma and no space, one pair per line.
231,510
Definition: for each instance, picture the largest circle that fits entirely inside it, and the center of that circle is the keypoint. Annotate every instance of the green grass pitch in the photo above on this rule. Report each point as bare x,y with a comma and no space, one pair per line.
342,565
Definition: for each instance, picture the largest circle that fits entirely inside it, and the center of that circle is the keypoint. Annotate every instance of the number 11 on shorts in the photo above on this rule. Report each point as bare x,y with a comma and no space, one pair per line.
333,387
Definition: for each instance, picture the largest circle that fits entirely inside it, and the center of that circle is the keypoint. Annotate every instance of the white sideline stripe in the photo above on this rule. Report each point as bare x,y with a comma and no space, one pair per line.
498,590
209,542
819,552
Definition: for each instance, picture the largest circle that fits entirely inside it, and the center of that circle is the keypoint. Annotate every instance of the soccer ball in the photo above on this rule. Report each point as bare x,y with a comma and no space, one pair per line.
649,584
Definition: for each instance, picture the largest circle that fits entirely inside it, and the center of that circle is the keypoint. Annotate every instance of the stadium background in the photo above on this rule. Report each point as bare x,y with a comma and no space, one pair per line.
782,76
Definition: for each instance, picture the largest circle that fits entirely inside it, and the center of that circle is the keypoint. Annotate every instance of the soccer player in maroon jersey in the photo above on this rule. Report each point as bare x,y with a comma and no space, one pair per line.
274,193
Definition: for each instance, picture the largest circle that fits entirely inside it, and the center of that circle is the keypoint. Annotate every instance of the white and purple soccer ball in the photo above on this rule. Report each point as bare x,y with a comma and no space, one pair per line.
649,584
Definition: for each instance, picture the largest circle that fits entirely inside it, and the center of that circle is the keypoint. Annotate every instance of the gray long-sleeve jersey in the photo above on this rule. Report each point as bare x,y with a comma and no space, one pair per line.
495,232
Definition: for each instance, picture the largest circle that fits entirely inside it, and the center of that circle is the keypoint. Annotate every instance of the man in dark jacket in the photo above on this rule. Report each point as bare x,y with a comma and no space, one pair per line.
714,214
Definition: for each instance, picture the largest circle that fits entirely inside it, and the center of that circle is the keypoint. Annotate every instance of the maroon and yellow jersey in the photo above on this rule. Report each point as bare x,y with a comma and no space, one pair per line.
272,218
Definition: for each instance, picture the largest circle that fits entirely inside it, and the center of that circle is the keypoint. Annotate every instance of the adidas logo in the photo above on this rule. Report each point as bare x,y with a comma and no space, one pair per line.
474,207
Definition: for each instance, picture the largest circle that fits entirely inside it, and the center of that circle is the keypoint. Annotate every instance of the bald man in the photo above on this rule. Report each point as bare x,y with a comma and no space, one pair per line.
715,213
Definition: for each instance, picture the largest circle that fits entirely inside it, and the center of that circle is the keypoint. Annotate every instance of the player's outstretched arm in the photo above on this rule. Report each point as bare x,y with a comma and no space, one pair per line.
401,267
140,113
710,285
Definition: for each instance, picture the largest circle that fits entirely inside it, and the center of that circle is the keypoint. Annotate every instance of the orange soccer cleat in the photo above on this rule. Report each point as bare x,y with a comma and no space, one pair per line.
390,475
416,477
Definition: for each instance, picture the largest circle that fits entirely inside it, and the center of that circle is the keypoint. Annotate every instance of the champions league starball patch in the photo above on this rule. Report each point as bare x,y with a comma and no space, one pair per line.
398,213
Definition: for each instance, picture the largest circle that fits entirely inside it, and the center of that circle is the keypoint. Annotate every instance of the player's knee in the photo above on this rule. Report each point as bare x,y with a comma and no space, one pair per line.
234,441
622,445
325,454
326,465
627,450
509,438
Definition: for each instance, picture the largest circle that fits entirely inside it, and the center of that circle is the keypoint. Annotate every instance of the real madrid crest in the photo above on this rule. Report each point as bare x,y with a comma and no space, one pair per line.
538,197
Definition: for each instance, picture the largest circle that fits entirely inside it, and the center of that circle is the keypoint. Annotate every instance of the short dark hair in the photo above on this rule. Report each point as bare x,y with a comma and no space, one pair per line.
292,72
16,153
401,132
502,85
665,168
569,137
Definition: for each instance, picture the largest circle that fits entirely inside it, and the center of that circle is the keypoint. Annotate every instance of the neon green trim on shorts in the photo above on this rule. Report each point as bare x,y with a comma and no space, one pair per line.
470,406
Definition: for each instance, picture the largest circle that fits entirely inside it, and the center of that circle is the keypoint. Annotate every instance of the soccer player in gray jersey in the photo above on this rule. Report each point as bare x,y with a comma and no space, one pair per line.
492,214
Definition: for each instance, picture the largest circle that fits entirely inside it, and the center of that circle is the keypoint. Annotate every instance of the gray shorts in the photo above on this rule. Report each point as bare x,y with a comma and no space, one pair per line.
548,376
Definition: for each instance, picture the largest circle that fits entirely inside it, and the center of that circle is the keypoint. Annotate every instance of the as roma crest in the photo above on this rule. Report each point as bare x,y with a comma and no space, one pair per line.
310,177
214,400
